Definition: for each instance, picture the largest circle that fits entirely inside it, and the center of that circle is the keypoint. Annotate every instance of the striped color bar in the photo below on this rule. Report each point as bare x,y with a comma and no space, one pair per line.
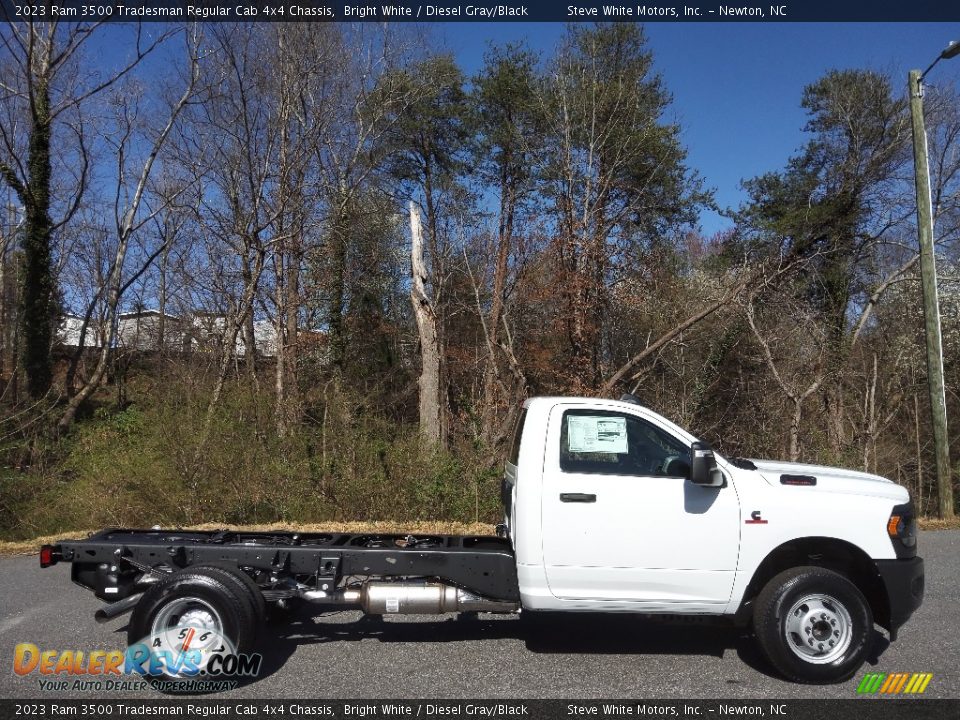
894,683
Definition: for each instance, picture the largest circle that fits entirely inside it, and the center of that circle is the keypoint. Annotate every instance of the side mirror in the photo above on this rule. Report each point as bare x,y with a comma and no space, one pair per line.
703,466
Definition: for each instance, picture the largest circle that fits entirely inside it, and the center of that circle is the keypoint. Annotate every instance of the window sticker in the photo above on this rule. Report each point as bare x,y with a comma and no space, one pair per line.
588,433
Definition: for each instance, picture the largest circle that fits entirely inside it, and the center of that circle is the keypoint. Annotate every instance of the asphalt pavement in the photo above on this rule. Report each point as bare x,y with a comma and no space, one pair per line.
575,656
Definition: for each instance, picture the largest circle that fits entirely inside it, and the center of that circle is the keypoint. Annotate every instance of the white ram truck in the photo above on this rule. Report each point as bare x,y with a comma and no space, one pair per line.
613,508
609,507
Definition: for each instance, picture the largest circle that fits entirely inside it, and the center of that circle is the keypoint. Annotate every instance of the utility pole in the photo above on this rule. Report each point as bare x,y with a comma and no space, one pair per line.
928,279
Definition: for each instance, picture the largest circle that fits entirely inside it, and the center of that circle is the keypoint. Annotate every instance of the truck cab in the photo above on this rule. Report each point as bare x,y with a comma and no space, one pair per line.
606,512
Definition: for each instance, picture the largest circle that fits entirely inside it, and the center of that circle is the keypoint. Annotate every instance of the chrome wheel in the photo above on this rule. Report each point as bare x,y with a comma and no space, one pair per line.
187,624
818,629
187,612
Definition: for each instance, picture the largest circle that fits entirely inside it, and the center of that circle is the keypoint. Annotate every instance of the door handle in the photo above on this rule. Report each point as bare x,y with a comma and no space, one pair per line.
578,497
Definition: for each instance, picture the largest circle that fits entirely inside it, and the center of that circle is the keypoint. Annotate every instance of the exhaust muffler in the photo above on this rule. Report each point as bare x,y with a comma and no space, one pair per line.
404,598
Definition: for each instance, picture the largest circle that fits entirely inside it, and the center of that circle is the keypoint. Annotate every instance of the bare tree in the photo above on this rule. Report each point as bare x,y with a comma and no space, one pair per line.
799,336
296,124
238,145
727,295
9,229
499,343
366,103
45,86
129,218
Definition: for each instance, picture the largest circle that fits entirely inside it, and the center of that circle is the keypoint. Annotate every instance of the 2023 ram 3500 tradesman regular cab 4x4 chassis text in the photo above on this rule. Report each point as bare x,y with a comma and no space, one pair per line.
609,507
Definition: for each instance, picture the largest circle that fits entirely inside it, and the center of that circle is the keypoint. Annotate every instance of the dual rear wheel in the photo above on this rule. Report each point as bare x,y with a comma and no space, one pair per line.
187,623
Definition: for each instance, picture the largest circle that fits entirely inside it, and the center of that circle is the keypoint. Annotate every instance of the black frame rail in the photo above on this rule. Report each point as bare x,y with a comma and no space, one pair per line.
484,565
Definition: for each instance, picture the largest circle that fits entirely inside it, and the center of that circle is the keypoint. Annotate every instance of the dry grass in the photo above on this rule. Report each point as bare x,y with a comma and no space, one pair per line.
938,524
28,547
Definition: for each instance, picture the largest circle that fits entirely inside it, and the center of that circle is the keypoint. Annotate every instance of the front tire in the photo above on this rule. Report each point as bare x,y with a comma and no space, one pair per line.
813,624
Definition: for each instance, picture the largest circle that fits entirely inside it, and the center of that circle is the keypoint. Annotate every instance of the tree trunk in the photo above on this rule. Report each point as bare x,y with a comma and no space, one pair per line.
287,301
6,241
291,354
4,345
280,362
338,287
162,294
837,275
244,309
36,316
492,376
249,336
437,305
795,429
431,430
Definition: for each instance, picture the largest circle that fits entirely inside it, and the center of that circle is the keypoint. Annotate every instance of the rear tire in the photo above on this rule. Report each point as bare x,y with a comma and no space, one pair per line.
243,583
204,610
813,624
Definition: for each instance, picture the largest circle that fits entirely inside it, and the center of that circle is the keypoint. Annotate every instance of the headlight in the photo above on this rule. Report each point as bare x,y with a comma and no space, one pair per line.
902,529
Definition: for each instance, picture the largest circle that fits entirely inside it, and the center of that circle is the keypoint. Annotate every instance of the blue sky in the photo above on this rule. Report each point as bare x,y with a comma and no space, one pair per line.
737,86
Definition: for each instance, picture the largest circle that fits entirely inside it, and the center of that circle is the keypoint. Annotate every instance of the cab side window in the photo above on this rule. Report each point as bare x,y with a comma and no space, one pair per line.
612,443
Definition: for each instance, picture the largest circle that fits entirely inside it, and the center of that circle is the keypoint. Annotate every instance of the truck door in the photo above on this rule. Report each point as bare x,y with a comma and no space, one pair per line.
621,520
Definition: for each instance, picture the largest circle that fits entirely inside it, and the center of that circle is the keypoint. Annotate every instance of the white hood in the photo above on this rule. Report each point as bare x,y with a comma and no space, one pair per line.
831,479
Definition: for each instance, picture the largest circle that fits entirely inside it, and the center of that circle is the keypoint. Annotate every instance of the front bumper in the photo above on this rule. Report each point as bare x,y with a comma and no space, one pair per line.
903,580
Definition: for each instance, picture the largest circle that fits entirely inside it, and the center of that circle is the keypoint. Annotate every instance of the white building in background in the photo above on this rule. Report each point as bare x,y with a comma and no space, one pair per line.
69,332
142,331
209,331
202,332
265,338
135,331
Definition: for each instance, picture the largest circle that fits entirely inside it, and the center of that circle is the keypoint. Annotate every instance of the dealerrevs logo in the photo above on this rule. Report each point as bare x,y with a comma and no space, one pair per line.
191,655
